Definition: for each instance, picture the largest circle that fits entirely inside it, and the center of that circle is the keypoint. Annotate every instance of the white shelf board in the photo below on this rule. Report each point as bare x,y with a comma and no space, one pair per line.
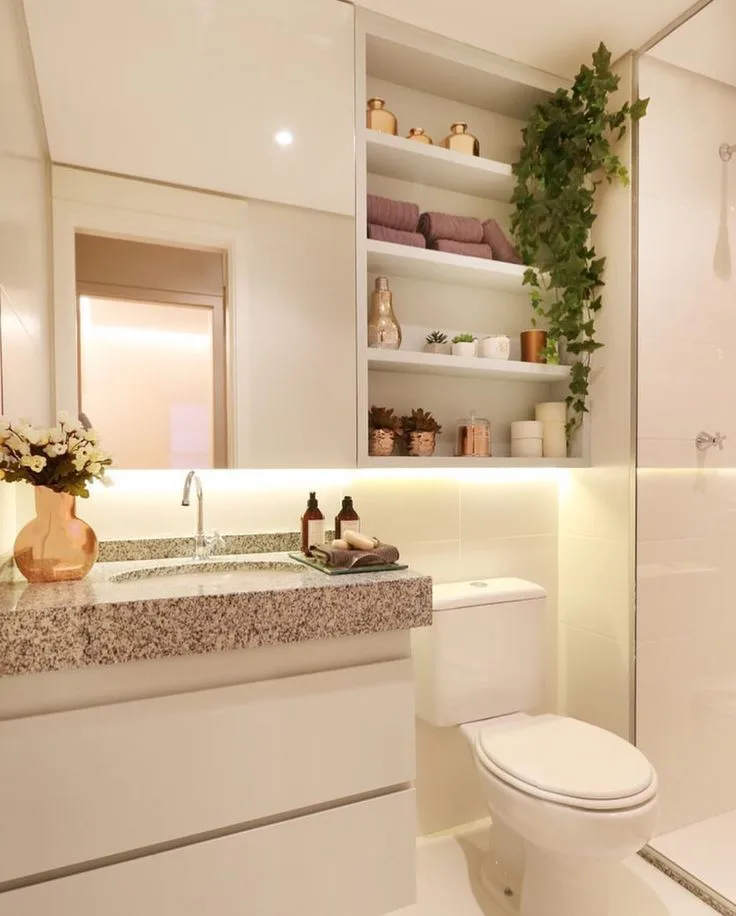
440,267
443,461
396,157
464,366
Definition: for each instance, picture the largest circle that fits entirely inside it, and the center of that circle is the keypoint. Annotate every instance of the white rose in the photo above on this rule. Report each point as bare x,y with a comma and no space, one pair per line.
15,443
94,468
79,462
54,449
35,462
91,436
28,432
72,442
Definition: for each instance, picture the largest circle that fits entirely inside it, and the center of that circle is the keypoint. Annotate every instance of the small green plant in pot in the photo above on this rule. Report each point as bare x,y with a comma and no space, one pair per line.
436,342
567,153
383,428
463,345
420,433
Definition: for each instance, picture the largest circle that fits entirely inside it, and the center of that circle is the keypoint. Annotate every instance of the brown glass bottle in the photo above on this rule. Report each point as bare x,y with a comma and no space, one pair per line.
347,518
313,525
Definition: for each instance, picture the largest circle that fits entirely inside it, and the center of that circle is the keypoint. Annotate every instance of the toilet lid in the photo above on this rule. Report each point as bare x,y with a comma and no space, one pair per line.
570,761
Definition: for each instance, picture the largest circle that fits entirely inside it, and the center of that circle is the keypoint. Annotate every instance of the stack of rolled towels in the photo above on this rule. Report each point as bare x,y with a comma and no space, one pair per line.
394,221
398,221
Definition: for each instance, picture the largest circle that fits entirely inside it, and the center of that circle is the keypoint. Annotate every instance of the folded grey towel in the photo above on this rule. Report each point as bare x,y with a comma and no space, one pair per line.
337,557
396,236
394,214
470,249
436,226
501,247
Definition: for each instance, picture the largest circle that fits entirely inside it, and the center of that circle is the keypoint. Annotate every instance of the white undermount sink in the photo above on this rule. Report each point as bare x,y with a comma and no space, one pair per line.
194,572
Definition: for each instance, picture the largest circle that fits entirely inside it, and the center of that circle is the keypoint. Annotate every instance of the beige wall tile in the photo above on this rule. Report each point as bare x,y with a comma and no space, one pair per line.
502,508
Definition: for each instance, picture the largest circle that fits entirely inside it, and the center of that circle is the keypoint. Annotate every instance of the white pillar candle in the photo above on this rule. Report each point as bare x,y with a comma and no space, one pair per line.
554,440
551,412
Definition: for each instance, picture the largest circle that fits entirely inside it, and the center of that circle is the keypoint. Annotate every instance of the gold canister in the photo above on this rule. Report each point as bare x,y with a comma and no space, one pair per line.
533,343
384,331
461,140
417,134
378,118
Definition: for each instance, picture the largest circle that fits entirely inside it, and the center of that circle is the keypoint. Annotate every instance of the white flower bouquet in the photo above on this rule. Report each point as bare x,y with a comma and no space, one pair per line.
64,458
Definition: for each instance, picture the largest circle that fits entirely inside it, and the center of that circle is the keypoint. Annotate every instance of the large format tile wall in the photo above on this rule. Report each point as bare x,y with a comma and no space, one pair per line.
686,628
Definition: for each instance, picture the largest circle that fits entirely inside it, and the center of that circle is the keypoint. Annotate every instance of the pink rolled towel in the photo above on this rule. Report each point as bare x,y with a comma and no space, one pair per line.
395,214
471,249
446,226
502,248
396,236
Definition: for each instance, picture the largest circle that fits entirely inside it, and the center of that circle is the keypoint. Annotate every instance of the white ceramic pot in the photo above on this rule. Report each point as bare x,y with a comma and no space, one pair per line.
495,347
551,412
464,348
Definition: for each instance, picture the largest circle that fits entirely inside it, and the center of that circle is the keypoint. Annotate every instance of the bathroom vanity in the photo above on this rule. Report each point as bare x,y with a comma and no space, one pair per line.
242,745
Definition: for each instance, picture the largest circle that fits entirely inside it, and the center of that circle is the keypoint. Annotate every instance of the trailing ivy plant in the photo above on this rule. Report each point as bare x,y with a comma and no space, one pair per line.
566,154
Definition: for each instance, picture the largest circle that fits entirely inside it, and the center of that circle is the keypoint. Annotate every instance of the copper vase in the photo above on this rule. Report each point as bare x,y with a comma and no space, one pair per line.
461,140
55,546
377,117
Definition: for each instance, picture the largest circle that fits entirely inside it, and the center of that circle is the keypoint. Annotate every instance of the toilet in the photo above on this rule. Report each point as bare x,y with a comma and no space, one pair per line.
568,800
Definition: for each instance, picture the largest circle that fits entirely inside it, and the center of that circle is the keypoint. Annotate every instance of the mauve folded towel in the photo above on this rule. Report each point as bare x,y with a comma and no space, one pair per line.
339,558
472,250
395,214
501,247
384,234
436,226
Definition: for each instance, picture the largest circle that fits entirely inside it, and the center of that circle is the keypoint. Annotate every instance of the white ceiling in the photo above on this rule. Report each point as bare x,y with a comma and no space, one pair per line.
705,43
553,35
153,87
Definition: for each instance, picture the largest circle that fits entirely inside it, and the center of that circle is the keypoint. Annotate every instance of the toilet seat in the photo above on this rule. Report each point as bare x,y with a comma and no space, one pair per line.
572,763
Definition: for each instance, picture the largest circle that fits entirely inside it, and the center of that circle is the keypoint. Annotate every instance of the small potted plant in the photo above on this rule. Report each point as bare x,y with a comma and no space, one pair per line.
463,345
383,427
435,342
420,431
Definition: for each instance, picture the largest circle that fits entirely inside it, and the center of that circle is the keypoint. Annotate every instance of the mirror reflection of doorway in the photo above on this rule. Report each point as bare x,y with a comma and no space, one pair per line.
151,351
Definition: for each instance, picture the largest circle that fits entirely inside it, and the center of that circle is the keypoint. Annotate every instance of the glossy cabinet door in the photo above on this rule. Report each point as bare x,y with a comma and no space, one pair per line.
239,96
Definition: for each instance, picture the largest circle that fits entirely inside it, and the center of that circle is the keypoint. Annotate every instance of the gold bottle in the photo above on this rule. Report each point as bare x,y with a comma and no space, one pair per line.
417,133
460,140
384,331
378,118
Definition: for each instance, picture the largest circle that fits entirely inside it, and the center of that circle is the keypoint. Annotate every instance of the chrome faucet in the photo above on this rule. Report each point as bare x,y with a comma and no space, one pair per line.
204,546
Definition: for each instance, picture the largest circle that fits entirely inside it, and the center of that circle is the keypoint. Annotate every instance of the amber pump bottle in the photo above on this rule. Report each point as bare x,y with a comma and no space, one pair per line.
313,525
347,518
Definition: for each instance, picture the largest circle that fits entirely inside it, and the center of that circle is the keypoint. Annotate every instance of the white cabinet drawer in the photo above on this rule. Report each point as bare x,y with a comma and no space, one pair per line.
83,785
357,860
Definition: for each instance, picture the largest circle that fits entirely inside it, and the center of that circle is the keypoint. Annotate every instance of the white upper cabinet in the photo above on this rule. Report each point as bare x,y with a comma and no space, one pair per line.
199,93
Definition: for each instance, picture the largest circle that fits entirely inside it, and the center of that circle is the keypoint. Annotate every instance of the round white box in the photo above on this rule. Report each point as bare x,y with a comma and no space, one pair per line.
527,429
526,448
551,412
495,347
554,440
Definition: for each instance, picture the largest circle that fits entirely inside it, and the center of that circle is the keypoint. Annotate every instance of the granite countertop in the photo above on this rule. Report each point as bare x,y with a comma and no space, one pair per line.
98,621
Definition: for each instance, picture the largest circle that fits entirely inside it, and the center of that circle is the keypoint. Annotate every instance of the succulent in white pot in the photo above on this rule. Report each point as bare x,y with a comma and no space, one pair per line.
436,342
463,345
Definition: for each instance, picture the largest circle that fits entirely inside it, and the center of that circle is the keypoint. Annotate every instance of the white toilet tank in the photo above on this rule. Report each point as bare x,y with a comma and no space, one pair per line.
484,654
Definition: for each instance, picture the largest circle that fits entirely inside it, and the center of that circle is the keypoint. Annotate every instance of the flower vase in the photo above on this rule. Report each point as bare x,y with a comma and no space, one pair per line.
55,546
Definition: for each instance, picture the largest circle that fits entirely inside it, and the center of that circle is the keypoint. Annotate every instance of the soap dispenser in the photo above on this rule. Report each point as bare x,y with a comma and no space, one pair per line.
313,525
347,518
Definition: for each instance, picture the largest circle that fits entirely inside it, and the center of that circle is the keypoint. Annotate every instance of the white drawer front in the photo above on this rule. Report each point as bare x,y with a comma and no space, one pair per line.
82,785
357,860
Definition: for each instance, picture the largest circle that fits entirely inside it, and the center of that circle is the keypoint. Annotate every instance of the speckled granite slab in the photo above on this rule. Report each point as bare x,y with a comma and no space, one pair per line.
99,621
166,548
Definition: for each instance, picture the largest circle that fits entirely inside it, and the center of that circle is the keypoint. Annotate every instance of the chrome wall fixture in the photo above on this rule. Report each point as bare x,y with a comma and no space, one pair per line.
726,150
704,441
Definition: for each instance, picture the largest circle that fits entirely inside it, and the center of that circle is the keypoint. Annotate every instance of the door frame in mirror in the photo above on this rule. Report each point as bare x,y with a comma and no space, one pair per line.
143,211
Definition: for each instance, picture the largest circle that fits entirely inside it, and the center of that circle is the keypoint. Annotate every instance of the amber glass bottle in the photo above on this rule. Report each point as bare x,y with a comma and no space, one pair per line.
313,525
347,518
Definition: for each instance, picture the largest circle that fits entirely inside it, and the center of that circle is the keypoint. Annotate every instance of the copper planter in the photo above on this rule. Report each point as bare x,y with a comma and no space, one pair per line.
533,344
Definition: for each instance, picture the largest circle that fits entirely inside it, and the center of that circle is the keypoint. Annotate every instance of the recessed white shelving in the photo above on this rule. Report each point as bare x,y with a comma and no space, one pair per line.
464,366
447,461
440,267
420,163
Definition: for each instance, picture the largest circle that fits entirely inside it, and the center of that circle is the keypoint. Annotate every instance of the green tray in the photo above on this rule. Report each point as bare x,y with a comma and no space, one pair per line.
341,571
